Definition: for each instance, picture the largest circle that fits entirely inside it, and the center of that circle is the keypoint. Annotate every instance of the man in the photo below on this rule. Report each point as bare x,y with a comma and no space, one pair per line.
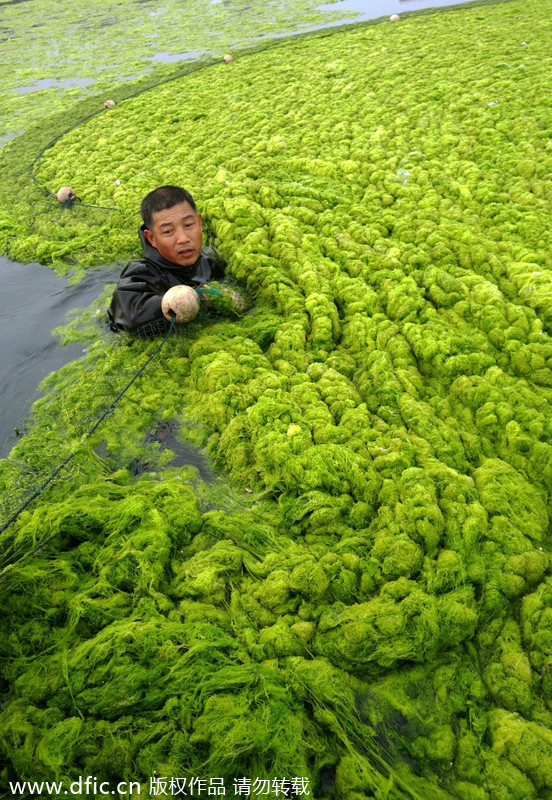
171,237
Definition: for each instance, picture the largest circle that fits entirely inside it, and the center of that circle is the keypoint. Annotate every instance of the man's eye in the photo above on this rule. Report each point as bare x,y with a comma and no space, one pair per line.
167,233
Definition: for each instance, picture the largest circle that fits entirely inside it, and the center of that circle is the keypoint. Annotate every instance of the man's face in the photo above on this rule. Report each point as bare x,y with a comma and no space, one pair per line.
177,233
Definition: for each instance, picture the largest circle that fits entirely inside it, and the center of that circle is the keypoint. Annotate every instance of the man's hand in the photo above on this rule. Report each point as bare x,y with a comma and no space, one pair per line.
223,299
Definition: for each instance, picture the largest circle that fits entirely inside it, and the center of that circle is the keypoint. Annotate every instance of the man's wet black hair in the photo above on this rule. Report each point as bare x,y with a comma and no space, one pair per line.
161,198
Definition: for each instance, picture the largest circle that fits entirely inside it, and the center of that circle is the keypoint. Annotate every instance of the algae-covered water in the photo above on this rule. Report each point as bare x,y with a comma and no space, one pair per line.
63,61
71,51
362,609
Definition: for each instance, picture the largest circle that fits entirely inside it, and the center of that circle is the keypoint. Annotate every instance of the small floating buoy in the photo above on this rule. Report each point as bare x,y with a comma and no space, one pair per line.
182,302
394,18
66,194
227,58
109,104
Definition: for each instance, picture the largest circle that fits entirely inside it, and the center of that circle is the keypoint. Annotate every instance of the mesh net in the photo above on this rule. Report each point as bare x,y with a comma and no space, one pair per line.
158,327
217,301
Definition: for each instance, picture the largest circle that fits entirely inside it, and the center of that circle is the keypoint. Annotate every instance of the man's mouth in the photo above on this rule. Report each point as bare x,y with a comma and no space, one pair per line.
185,253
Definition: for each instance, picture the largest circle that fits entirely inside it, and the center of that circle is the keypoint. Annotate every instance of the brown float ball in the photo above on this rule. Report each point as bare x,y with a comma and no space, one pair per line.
183,301
227,58
109,104
65,194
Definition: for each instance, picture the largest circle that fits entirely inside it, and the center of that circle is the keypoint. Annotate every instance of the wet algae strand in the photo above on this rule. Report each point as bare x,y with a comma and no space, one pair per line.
376,618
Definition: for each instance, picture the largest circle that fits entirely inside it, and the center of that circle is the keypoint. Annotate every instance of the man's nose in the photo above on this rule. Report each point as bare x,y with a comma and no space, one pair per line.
183,235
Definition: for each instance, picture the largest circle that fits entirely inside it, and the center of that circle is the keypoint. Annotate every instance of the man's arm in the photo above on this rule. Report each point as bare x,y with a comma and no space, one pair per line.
133,304
137,298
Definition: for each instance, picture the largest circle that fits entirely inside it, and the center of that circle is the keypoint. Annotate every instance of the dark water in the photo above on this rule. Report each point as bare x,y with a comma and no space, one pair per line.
168,58
33,302
185,453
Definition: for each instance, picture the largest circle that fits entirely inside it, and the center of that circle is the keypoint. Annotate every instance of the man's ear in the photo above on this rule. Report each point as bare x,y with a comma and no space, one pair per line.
149,236
200,218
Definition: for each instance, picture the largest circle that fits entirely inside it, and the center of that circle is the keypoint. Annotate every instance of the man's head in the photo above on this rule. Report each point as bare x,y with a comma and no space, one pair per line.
172,224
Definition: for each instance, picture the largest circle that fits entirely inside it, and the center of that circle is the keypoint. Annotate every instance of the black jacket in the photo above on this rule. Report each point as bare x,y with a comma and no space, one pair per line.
142,284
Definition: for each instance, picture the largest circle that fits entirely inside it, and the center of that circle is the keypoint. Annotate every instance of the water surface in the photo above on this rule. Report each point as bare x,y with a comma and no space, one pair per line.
34,301
372,9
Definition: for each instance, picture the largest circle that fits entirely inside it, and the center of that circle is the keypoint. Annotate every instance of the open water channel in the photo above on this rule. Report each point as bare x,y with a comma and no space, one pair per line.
34,300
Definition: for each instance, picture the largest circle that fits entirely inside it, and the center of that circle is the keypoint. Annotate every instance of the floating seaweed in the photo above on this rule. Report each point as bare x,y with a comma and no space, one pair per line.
368,606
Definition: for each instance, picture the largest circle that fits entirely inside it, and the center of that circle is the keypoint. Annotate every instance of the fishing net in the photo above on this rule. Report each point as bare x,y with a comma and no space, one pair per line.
216,301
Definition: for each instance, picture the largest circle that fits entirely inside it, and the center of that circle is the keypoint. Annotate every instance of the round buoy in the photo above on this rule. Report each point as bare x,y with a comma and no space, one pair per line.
394,18
227,58
66,194
109,104
182,301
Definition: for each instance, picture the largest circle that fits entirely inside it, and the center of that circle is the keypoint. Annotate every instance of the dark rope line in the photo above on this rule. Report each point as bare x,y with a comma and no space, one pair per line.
75,204
64,463
104,208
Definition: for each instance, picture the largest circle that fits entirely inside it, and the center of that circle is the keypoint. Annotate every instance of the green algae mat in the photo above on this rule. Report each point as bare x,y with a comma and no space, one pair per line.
363,609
